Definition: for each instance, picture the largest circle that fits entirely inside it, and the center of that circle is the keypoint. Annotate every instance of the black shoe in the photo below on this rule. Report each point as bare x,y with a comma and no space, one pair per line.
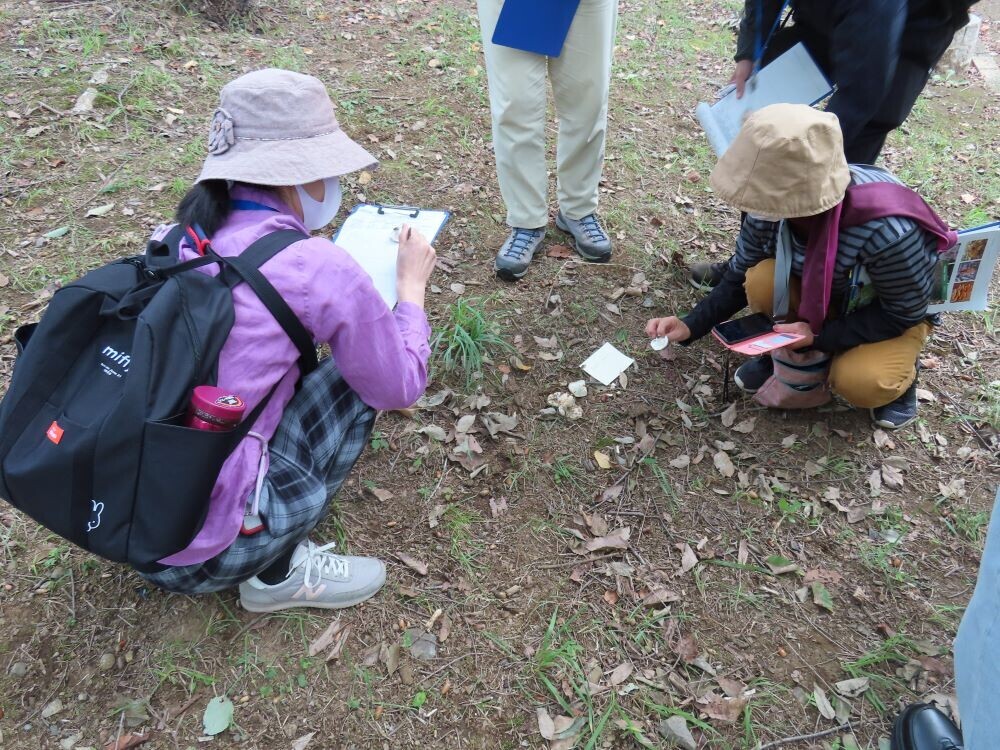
706,276
753,373
900,412
923,727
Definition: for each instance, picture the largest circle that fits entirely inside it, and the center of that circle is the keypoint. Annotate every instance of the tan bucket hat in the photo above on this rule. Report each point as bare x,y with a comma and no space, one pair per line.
276,127
787,161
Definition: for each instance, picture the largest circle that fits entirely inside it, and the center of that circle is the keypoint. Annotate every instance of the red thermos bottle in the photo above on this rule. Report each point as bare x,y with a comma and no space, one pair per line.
214,409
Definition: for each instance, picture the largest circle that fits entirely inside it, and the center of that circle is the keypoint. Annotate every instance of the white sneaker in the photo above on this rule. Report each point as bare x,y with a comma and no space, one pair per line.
316,578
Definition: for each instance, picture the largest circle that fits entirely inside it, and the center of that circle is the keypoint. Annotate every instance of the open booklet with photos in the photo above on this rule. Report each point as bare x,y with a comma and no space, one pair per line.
964,271
962,277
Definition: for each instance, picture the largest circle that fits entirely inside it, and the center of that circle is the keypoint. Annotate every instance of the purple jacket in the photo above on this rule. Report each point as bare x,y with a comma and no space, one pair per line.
381,354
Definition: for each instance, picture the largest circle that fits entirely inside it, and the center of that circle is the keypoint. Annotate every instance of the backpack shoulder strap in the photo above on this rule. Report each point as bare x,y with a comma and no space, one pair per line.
165,252
246,268
876,200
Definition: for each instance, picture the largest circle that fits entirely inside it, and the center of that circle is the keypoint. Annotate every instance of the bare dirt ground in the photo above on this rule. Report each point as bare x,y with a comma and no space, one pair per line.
748,575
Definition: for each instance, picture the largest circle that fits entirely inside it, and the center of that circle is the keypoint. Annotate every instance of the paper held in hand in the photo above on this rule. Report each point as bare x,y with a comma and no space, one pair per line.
370,235
792,78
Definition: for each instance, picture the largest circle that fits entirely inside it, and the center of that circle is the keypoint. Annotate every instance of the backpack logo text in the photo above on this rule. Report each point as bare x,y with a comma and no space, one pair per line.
113,360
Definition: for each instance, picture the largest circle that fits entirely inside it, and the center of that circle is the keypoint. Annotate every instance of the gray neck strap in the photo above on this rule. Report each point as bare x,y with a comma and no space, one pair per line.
782,271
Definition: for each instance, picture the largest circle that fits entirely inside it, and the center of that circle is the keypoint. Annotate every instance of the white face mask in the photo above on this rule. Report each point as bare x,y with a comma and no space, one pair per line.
317,214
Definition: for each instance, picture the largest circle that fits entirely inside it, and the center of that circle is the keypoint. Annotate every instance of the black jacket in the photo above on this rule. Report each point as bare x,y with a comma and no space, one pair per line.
859,43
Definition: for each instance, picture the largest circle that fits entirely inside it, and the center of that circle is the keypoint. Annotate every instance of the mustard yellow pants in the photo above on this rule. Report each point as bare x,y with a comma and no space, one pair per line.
869,375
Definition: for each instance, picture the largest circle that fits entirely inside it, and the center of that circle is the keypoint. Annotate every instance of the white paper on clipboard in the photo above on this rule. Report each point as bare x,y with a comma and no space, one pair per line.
792,78
367,235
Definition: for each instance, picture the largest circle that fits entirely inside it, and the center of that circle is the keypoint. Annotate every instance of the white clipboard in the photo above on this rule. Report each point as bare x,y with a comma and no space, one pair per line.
368,236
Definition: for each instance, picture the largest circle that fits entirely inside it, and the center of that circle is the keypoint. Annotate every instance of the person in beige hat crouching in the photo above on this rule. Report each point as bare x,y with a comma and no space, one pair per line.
843,254
275,157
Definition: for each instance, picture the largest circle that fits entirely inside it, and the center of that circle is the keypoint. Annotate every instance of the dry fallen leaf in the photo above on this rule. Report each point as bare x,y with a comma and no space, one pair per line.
127,741
560,252
660,596
892,477
732,688
617,539
546,727
620,673
498,506
412,563
434,432
725,710
729,415
688,560
301,742
100,210
687,648
724,464
326,637
681,462
823,703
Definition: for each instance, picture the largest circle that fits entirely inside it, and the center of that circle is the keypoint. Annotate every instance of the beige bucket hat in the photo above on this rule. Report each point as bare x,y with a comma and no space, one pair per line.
787,161
276,127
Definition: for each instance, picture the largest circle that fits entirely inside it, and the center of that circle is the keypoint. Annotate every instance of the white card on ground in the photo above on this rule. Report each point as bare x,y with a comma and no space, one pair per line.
606,364
792,78
367,236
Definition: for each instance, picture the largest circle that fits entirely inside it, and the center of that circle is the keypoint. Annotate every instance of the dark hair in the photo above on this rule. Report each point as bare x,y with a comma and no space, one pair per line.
206,204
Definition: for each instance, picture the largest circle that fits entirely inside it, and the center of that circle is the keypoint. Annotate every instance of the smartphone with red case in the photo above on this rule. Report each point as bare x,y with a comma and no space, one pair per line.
752,335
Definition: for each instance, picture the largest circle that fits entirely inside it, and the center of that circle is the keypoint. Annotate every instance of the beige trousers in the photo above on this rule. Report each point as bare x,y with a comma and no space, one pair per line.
580,79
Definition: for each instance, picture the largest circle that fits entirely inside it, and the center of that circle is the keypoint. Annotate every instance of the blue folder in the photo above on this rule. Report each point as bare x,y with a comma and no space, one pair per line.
538,26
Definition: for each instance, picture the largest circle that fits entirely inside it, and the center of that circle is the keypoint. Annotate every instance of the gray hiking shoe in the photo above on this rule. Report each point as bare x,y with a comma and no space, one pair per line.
516,252
316,578
589,237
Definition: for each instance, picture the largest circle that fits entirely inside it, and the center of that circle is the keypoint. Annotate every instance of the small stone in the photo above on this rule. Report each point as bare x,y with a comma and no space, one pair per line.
107,662
70,742
52,709
424,647
675,731
578,388
18,669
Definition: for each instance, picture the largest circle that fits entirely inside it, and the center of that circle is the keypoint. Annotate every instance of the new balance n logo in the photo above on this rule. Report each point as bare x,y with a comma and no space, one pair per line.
309,592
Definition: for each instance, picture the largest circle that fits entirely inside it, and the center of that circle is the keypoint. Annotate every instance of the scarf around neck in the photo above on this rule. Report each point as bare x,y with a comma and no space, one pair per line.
861,204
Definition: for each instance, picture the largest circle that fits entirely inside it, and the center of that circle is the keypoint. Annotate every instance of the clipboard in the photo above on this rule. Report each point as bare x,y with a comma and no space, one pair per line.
538,26
367,236
791,78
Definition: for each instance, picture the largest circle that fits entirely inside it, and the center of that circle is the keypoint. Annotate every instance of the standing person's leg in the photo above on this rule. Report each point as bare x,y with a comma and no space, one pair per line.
912,71
977,668
581,79
517,83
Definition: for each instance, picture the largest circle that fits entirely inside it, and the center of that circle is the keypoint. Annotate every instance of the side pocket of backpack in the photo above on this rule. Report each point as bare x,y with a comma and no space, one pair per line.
177,472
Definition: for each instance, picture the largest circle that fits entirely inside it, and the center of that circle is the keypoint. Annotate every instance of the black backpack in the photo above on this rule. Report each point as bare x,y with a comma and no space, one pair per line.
92,440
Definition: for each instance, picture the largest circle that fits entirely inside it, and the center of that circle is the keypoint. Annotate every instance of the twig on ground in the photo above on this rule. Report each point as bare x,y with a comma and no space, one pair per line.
804,737
576,561
252,624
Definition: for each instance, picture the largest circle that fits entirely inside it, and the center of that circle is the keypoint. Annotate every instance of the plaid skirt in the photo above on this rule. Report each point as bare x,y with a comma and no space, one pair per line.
322,432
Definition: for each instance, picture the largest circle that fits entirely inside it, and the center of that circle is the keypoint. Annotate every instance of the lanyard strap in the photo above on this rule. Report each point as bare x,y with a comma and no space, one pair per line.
782,272
243,205
761,42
